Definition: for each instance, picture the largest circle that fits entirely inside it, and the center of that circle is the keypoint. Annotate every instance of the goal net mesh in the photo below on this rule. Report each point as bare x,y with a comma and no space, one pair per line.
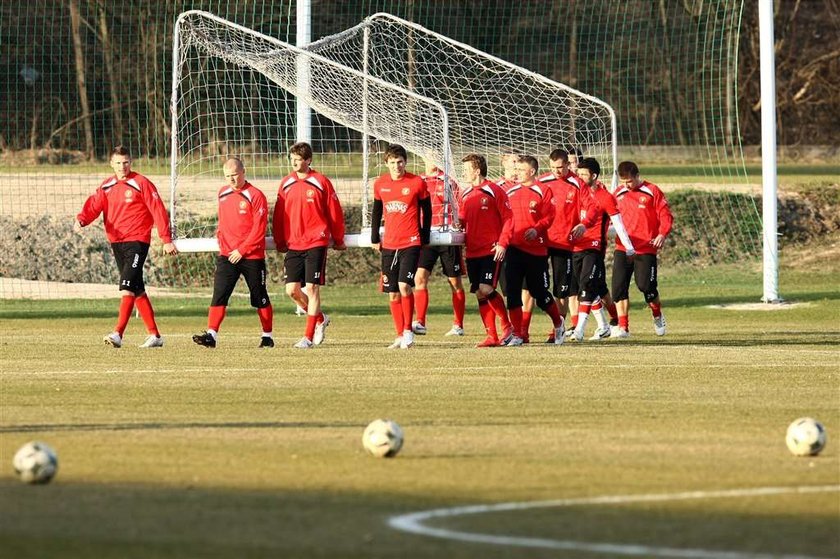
493,106
236,94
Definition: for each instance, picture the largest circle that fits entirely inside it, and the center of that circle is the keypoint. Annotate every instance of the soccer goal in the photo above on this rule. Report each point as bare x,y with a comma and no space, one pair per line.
234,93
494,106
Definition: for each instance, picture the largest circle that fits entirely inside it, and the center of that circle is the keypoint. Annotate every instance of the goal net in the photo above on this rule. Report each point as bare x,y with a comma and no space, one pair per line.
234,94
494,106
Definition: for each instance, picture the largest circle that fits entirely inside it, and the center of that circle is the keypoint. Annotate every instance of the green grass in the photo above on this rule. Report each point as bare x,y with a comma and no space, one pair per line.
236,452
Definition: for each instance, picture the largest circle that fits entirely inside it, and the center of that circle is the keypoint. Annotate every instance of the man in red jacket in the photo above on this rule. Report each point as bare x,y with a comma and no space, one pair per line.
243,218
533,211
402,199
307,215
487,221
130,205
648,220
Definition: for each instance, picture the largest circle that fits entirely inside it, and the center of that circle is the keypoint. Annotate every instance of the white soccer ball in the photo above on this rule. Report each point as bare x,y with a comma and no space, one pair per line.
35,462
383,438
805,437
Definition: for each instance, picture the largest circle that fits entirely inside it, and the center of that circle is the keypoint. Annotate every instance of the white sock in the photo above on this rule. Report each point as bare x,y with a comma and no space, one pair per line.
266,334
581,325
212,333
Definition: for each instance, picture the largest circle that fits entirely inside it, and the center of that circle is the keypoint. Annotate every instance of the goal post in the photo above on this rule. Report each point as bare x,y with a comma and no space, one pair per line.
235,92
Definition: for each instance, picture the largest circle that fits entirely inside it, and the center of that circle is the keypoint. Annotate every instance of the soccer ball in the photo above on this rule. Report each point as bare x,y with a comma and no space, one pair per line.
35,462
805,437
383,438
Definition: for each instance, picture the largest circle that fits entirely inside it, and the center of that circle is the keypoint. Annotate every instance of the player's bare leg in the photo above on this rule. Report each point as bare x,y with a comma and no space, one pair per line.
573,306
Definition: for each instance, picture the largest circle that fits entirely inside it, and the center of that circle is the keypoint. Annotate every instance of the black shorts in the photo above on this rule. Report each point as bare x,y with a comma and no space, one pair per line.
591,272
306,266
565,283
227,275
398,266
450,260
483,270
531,270
130,257
643,267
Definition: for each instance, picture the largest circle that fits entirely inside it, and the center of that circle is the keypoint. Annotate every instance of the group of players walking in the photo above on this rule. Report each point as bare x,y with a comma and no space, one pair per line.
514,229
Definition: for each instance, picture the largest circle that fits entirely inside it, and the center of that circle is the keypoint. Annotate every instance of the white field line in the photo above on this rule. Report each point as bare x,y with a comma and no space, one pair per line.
414,523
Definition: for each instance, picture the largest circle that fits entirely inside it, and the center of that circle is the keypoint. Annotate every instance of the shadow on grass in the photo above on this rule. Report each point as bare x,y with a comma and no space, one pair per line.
181,519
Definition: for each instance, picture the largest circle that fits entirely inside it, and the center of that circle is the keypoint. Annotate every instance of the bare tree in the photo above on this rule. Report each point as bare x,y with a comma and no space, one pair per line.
75,23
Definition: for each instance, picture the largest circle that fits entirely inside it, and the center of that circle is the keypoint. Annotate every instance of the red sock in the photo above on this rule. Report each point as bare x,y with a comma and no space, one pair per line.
311,321
516,320
396,314
421,302
624,322
147,313
574,319
126,306
554,313
459,305
656,309
526,324
488,317
215,317
498,306
613,312
596,306
320,318
407,303
266,318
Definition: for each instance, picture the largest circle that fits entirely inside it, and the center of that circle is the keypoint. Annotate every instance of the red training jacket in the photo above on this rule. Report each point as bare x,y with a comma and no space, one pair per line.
646,214
596,209
437,192
129,207
486,217
567,211
243,218
307,213
532,206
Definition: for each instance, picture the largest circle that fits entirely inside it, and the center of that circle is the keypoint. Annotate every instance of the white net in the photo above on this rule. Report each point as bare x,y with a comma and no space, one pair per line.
493,106
235,93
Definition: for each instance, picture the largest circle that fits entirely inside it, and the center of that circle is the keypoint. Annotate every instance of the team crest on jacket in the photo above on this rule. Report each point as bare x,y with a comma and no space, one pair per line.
532,204
396,207
405,191
128,195
310,193
484,203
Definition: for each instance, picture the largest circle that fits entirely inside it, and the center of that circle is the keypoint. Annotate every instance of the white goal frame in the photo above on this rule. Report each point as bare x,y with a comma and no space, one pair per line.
365,125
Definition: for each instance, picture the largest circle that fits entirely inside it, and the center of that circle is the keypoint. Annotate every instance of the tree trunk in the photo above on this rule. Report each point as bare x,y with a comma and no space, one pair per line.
75,23
113,82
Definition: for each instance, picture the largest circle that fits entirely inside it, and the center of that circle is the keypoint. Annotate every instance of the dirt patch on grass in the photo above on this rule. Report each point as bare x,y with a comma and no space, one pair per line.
782,306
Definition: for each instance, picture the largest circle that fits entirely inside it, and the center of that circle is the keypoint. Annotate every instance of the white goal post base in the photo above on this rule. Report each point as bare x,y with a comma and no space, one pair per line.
438,238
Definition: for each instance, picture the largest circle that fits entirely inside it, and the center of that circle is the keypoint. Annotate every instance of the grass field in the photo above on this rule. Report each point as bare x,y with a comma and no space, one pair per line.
237,452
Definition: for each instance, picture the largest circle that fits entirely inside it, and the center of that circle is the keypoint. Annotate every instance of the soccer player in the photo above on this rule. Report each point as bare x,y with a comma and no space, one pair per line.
509,179
575,155
130,205
307,215
451,260
532,206
589,249
403,199
243,218
648,219
566,187
487,221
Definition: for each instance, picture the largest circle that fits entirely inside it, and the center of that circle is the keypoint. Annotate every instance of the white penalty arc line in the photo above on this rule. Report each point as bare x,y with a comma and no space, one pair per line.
414,523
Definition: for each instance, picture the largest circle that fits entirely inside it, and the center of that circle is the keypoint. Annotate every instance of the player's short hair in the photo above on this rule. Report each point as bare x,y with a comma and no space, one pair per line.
573,150
120,150
236,161
395,151
627,170
301,149
478,161
591,164
559,155
531,161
